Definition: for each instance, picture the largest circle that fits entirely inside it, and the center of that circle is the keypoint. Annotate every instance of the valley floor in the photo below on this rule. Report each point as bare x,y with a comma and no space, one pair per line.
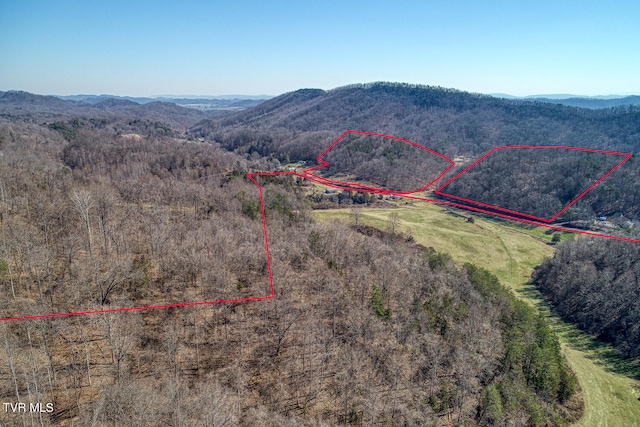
610,384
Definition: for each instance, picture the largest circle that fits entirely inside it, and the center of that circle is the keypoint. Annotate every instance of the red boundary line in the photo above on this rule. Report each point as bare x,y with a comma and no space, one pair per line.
375,190
186,304
362,189
439,191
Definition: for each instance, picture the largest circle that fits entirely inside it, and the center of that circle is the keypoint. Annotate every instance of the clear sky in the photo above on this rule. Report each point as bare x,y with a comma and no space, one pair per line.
214,47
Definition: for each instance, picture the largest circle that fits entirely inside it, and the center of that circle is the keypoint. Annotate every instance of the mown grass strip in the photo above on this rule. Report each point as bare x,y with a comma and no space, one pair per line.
610,384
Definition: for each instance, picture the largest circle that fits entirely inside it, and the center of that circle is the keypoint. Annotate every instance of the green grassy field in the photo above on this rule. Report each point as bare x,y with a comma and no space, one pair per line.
610,384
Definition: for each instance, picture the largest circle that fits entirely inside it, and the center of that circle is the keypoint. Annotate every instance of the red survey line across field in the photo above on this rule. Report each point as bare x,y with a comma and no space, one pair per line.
307,174
439,191
461,206
476,209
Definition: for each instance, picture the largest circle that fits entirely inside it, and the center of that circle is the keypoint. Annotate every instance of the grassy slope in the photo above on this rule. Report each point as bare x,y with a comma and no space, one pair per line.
610,385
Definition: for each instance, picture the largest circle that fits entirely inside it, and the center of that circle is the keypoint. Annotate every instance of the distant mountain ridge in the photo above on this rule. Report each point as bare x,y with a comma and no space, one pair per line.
224,102
300,125
594,103
18,105
92,98
567,96
30,101
450,121
178,114
591,102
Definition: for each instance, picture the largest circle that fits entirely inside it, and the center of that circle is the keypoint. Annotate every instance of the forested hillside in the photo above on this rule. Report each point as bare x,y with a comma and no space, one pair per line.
542,182
109,112
385,162
301,124
449,121
363,329
595,284
593,103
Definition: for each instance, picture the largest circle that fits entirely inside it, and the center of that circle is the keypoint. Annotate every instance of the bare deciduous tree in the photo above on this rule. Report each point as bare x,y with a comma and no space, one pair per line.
121,332
393,222
84,203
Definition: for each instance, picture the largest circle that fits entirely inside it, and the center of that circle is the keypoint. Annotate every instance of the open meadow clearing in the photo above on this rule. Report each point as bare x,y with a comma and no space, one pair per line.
610,385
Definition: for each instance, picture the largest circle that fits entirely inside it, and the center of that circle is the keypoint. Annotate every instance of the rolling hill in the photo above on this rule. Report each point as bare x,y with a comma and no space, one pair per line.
301,124
450,121
174,113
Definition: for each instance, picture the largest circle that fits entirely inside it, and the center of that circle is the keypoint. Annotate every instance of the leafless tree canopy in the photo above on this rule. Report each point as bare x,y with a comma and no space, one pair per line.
366,328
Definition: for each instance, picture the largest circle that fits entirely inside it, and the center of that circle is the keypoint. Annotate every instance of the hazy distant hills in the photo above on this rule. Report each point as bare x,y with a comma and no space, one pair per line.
15,105
19,101
555,96
592,102
27,106
205,103
595,103
452,122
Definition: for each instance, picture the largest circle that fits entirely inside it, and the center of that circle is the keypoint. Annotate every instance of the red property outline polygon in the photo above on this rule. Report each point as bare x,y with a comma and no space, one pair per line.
339,185
439,191
366,188
271,295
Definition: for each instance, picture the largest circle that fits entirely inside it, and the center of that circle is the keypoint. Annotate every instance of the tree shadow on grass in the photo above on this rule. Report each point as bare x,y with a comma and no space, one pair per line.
601,353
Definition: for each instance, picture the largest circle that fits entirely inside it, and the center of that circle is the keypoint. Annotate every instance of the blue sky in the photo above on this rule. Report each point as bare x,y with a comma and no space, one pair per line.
143,48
